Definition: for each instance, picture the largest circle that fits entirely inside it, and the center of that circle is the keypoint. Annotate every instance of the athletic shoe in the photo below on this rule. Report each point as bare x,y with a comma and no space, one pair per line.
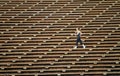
84,46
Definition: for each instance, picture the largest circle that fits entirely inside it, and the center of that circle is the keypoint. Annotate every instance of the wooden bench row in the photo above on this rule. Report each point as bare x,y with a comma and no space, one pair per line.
37,38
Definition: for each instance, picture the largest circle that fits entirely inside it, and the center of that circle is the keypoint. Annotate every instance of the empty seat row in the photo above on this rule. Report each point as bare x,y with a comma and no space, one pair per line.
37,37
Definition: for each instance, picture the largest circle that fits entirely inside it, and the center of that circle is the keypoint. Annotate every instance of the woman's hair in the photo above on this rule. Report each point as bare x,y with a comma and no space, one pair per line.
78,28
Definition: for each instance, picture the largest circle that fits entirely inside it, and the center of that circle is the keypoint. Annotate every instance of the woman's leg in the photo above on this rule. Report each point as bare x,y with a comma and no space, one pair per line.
77,43
82,43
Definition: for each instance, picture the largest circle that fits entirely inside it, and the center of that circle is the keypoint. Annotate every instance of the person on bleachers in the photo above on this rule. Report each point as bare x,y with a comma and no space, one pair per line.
78,33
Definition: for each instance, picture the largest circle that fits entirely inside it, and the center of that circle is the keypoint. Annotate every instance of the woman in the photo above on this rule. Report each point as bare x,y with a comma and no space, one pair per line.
78,33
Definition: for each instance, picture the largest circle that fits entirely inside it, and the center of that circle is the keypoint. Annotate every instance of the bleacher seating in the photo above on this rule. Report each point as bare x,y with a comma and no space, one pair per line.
37,37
